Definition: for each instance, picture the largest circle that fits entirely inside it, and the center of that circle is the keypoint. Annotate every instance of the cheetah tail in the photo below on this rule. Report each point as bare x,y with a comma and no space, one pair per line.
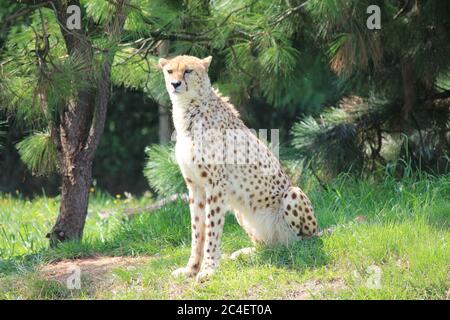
298,212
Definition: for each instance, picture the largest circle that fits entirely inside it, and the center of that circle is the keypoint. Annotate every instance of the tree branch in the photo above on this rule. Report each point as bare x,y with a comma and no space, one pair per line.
441,95
286,14
157,205
28,9
114,29
160,35
437,104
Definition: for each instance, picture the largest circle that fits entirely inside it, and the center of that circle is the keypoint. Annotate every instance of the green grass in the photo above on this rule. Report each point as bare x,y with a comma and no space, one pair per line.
404,234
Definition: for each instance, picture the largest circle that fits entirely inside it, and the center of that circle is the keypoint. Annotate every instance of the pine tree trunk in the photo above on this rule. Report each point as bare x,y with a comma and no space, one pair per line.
165,129
409,89
164,125
74,204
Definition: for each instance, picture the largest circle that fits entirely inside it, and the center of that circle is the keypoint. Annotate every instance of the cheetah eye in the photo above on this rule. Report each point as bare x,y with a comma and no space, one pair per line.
188,71
169,71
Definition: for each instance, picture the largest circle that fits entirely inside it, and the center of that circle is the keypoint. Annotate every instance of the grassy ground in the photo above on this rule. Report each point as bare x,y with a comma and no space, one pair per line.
391,231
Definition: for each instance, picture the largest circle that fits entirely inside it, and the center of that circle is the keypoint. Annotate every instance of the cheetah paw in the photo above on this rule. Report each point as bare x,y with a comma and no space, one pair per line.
185,271
205,274
243,251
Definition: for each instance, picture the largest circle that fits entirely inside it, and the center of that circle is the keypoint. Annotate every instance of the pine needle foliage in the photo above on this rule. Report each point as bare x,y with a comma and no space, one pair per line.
34,93
162,170
397,75
341,141
38,152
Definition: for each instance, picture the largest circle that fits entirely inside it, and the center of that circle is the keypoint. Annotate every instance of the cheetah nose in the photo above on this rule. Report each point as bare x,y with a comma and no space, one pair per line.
176,84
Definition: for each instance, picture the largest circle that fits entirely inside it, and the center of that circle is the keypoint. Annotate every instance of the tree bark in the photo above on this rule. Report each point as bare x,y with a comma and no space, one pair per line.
409,89
74,204
165,129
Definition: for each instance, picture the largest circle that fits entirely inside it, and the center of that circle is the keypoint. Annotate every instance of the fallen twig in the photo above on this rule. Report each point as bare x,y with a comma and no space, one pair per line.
157,205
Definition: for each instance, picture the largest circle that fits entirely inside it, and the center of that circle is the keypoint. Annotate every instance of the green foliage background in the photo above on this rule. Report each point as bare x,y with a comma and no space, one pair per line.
334,88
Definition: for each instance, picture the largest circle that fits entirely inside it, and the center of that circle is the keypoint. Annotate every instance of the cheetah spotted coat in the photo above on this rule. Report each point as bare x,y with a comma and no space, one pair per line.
226,167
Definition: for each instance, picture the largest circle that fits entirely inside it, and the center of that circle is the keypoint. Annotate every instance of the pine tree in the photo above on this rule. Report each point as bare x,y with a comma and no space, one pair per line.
398,78
57,81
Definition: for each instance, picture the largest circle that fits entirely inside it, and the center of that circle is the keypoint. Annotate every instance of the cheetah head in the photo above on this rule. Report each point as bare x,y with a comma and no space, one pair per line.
185,75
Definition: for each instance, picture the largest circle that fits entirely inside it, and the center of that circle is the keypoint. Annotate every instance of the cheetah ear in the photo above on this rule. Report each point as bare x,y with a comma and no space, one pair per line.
206,62
162,62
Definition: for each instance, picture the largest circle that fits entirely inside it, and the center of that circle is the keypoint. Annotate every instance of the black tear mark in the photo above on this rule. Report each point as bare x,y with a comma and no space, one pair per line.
185,82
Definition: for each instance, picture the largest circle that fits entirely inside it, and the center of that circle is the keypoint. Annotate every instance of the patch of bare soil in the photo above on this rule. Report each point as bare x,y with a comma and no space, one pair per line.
93,268
314,289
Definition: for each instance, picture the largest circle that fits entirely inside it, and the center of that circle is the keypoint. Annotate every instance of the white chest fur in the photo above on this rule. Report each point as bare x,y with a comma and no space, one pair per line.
184,151
186,156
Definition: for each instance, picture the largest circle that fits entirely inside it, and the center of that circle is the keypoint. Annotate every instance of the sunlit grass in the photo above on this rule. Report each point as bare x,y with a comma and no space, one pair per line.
400,228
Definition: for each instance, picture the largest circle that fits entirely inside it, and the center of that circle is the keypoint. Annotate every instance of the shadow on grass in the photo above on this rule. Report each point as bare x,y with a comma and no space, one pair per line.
167,230
440,218
299,256
145,234
22,264
306,254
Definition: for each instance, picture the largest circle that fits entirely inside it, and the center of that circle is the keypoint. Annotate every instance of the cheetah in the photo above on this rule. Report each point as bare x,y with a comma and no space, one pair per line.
226,167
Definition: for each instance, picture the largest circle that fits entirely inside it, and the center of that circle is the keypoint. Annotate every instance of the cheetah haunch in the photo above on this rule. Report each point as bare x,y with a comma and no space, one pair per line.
225,166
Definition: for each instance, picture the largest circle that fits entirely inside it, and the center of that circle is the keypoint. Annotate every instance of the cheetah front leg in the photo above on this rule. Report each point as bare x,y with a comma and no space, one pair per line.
197,209
215,218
